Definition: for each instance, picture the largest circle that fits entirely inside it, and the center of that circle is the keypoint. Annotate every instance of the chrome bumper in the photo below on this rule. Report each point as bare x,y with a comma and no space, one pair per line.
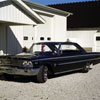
19,71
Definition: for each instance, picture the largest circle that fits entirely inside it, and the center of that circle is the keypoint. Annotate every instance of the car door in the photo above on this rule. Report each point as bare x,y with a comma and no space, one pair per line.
68,58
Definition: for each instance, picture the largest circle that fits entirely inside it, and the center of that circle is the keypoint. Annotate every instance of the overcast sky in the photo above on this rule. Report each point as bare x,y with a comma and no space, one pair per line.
46,2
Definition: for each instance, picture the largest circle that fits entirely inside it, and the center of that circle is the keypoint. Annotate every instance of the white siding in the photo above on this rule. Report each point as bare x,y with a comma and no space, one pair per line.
86,38
59,28
45,30
28,31
55,27
12,13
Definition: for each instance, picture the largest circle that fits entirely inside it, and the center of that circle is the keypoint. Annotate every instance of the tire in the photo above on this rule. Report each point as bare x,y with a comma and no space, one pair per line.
86,68
42,76
8,77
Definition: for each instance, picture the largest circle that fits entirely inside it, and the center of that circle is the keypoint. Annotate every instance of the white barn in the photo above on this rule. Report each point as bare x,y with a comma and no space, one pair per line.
23,23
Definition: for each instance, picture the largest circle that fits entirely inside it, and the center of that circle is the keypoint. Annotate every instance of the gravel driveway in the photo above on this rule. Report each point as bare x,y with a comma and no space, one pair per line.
75,86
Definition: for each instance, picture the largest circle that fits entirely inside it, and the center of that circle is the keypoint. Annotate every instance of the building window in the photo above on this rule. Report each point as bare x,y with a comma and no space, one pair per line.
41,38
32,38
48,38
97,38
25,37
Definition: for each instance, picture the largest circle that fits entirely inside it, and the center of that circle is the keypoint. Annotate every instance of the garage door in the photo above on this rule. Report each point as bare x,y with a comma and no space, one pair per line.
14,39
3,39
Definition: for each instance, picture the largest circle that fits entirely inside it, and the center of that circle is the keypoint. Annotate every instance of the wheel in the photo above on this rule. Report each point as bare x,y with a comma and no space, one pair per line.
43,74
86,68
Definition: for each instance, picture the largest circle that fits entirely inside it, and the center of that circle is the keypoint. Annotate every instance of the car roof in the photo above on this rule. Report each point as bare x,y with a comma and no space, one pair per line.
55,43
58,43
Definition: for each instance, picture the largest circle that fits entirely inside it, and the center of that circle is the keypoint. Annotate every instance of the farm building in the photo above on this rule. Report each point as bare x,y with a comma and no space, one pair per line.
23,23
84,25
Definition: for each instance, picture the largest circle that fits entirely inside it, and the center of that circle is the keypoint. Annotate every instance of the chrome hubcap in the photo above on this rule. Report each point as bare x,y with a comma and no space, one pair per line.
46,73
87,66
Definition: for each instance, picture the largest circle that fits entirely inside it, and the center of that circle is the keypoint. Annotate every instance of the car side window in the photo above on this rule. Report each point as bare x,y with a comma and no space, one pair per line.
68,48
41,48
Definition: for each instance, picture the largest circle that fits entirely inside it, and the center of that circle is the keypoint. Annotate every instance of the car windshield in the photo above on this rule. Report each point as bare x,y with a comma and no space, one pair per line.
40,48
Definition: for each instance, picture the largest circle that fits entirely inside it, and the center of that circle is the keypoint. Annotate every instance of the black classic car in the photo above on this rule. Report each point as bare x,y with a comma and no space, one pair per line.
47,58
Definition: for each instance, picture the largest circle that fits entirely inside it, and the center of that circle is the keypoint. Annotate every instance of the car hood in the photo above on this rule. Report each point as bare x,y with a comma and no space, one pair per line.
19,56
24,56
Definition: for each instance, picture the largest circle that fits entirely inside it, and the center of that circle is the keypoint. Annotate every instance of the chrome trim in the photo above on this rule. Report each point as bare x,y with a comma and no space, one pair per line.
17,71
78,61
68,71
53,58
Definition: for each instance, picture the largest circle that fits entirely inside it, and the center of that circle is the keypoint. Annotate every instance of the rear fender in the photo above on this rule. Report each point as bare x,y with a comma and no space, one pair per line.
96,62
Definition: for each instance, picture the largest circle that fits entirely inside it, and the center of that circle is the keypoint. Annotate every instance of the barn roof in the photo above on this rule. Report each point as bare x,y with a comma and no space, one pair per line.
28,10
46,8
85,14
